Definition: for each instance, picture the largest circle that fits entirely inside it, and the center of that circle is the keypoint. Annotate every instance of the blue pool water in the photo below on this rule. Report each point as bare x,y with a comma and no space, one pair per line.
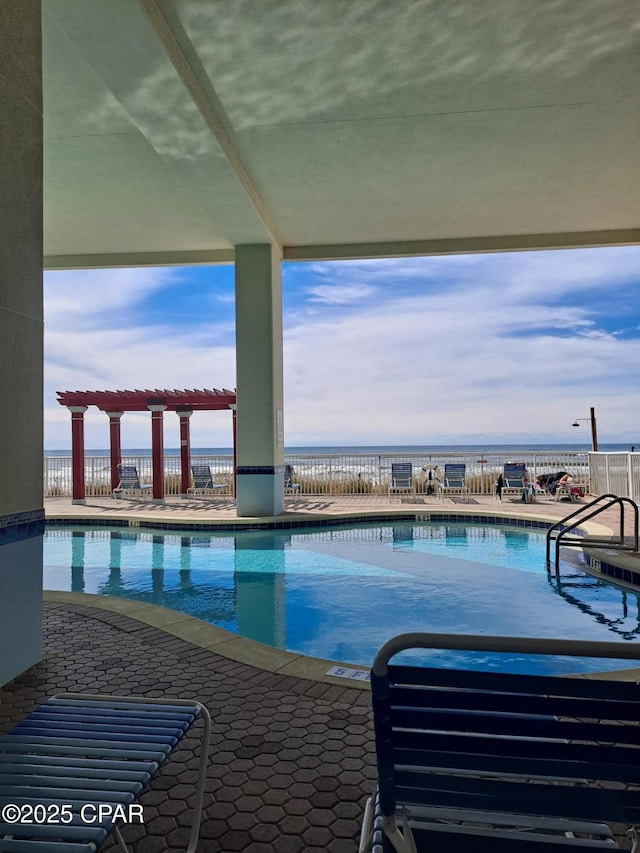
341,593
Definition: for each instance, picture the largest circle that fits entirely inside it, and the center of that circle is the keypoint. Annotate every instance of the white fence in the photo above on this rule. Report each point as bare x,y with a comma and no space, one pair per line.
616,474
347,474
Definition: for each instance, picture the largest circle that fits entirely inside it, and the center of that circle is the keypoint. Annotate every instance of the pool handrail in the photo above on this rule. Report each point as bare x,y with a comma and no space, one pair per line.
563,530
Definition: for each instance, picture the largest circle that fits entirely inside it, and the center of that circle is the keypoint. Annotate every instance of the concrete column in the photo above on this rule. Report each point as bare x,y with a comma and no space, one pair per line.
115,446
234,429
157,452
77,454
21,511
260,427
260,597
185,454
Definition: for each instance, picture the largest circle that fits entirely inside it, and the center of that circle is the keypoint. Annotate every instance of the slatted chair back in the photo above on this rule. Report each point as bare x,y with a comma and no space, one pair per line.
401,475
454,475
499,761
93,756
202,478
513,475
129,478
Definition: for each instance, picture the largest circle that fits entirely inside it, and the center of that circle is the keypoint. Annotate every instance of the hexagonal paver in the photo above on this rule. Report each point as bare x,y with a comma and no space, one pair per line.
264,832
317,836
269,814
289,769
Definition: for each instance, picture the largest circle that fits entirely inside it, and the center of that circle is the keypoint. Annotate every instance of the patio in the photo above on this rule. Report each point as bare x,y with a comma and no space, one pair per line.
291,761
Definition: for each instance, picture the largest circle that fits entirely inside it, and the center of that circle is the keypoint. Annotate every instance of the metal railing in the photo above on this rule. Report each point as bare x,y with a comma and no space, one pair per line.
615,473
561,531
369,473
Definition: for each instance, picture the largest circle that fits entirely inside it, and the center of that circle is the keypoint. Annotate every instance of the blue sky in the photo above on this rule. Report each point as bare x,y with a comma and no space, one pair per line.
493,348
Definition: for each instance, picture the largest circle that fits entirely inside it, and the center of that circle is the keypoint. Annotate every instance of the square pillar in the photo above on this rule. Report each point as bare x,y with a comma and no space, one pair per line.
260,427
77,454
21,324
157,451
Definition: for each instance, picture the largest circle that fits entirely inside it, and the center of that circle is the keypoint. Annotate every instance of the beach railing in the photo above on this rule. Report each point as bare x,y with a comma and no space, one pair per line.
335,474
615,474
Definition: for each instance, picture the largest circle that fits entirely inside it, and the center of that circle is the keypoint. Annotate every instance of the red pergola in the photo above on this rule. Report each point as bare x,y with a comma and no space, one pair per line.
116,403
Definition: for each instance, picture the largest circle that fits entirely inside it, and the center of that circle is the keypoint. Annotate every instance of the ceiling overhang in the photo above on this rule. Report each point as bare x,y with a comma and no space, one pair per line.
178,129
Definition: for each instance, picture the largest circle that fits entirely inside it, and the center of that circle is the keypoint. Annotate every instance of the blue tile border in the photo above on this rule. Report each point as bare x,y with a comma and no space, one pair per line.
619,573
21,525
259,469
295,524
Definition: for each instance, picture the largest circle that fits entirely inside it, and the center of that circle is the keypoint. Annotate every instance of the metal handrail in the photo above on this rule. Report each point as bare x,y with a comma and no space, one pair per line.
563,529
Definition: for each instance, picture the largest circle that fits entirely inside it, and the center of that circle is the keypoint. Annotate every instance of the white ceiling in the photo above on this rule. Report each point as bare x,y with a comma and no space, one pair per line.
176,129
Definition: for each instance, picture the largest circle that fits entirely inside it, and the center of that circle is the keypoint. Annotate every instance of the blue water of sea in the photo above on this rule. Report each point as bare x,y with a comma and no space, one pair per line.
335,450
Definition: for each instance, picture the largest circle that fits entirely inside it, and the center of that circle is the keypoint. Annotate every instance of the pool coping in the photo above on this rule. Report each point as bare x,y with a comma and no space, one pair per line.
251,652
302,520
214,639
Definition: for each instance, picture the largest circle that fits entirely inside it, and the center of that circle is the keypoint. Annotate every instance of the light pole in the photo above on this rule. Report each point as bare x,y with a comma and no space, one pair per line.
594,433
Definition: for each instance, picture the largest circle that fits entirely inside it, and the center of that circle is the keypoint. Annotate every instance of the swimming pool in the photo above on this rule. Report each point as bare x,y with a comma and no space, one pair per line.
340,593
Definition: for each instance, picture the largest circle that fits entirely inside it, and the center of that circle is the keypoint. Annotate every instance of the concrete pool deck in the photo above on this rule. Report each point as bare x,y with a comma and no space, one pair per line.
291,757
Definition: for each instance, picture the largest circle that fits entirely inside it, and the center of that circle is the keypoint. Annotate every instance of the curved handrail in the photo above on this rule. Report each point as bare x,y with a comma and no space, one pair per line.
612,500
487,643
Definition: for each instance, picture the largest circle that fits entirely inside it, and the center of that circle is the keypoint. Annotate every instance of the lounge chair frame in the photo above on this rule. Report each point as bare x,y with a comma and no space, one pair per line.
83,750
291,488
513,479
564,491
402,479
453,481
476,760
129,485
203,484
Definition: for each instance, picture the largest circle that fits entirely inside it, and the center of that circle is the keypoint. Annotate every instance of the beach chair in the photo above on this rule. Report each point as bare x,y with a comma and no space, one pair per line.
129,485
78,763
402,479
481,760
453,481
290,487
574,490
203,482
513,480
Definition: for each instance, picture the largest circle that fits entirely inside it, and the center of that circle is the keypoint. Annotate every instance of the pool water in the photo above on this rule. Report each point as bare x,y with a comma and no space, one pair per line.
341,593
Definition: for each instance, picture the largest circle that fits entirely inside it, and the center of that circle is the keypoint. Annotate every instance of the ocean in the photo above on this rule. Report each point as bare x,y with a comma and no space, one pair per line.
349,450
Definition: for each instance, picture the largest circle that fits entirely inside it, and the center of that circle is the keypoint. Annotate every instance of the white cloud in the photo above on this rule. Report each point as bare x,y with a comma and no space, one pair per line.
93,296
427,351
336,294
498,359
94,340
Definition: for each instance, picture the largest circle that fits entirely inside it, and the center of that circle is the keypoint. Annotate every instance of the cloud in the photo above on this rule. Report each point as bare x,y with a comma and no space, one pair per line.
92,297
495,352
478,349
336,294
97,338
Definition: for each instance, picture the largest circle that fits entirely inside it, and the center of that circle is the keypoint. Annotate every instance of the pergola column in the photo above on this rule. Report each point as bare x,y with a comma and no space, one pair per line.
77,454
185,453
260,468
157,452
115,446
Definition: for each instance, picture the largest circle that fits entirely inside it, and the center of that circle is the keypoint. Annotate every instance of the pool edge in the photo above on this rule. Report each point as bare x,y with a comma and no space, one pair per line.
214,639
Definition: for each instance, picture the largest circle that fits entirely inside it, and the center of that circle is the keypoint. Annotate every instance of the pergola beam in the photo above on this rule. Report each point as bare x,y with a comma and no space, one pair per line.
157,401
